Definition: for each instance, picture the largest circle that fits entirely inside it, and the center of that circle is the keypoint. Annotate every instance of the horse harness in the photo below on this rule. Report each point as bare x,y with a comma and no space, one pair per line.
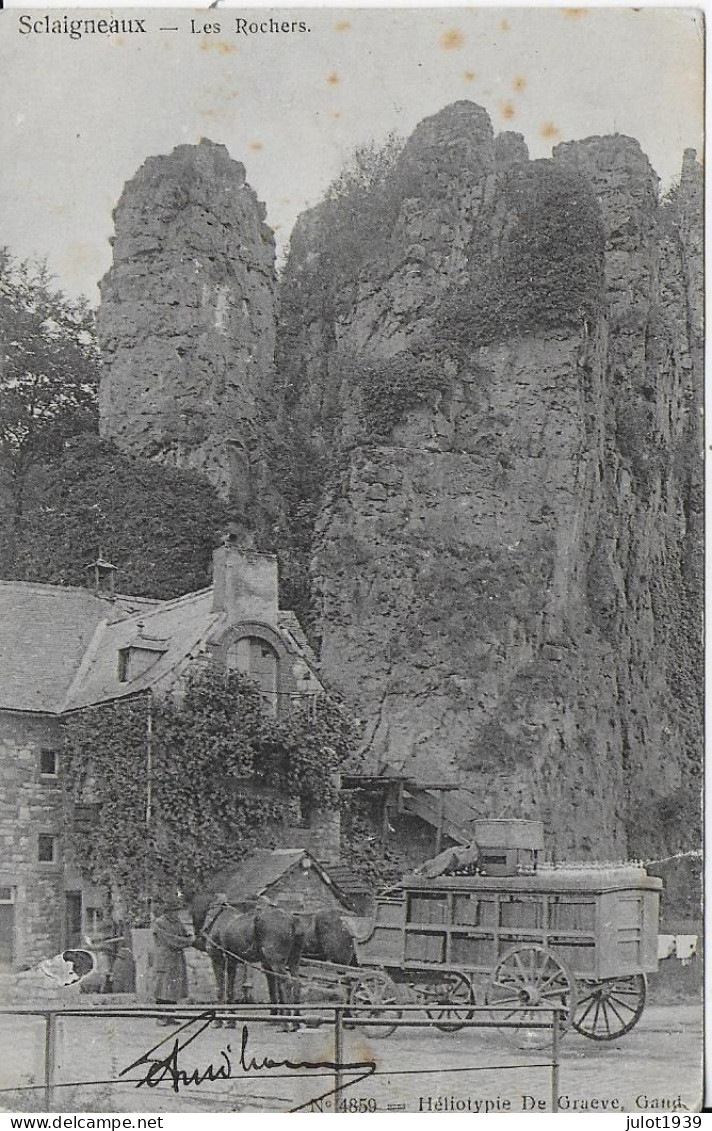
207,927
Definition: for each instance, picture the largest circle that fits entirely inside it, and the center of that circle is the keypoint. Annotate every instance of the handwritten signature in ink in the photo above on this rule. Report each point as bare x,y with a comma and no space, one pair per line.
160,1066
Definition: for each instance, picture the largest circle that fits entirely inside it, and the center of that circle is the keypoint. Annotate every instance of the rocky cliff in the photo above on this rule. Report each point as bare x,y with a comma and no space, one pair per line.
496,363
186,321
485,470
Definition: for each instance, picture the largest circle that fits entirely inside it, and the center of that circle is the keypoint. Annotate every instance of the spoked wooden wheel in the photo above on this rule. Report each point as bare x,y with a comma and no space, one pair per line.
375,987
456,993
526,978
610,1008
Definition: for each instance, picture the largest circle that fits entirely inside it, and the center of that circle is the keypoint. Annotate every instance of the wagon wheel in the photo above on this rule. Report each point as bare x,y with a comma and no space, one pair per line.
609,1008
455,989
375,987
526,977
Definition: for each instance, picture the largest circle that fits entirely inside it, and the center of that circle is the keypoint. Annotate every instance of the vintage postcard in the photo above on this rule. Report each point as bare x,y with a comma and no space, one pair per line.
351,561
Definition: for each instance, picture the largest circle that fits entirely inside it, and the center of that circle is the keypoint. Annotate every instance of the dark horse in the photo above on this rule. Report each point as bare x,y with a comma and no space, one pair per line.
327,937
266,936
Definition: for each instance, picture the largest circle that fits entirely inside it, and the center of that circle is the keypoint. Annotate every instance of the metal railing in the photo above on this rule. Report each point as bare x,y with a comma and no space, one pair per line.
339,1016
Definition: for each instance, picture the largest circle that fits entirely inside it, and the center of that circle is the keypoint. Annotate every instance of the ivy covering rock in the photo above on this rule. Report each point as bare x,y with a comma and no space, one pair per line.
545,271
389,388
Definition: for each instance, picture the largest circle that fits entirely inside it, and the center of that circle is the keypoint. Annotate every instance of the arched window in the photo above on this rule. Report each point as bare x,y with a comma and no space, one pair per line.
257,659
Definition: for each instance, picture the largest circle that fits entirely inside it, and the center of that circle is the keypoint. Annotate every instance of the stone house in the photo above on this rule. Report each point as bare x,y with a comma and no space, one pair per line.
64,649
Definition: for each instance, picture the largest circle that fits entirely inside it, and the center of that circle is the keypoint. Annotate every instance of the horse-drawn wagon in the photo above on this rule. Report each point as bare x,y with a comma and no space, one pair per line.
487,925
580,938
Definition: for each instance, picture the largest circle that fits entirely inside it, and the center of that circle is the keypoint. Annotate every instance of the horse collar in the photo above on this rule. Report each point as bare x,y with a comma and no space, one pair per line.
207,927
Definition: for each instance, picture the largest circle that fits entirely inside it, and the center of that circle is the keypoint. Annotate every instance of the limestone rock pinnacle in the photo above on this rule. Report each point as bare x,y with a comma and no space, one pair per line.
186,321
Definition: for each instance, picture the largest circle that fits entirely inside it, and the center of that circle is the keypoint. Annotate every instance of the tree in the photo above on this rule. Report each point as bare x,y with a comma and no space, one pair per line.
361,209
157,524
49,371
366,169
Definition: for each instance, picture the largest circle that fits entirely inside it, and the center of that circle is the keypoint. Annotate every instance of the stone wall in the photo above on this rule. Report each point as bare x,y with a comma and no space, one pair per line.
30,804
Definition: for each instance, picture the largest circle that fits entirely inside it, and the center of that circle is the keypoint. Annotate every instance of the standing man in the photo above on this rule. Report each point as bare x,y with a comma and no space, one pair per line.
170,939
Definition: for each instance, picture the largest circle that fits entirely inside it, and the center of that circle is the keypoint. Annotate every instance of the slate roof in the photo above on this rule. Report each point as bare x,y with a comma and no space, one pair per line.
44,634
348,881
184,624
59,646
261,871
290,627
258,873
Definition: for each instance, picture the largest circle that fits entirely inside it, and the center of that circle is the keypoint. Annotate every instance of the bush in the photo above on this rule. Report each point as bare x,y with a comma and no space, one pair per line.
390,388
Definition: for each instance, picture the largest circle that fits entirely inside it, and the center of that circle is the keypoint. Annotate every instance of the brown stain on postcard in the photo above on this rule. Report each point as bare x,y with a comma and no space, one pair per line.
518,84
332,78
343,25
468,76
504,25
217,45
549,131
506,109
574,13
452,39
255,146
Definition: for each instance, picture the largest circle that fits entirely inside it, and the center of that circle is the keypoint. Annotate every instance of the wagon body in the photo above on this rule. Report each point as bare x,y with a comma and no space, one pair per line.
578,939
601,922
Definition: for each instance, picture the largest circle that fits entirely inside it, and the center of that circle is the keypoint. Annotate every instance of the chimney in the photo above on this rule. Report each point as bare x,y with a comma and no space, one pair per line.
245,585
104,577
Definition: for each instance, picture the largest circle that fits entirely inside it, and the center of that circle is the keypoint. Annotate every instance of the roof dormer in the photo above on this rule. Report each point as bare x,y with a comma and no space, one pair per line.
140,654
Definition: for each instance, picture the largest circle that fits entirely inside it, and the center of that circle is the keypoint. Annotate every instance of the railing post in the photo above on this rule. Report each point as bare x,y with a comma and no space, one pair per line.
338,1052
555,1064
49,1058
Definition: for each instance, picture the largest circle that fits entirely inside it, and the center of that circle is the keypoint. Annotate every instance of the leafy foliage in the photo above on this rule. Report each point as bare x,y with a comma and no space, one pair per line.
225,777
64,493
106,768
157,524
300,462
49,370
379,865
330,247
362,208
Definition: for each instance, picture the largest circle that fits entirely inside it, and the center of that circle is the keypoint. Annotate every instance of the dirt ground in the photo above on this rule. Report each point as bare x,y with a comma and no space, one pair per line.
655,1068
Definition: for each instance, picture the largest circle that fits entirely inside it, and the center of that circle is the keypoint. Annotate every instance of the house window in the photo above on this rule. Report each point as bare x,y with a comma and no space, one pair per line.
49,763
308,811
258,660
124,659
47,848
